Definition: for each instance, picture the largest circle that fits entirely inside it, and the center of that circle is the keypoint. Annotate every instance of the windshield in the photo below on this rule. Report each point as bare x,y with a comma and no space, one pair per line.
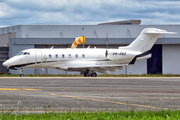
23,53
19,53
26,53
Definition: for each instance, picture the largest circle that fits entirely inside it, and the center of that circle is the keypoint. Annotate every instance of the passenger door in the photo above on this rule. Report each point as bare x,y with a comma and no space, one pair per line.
38,58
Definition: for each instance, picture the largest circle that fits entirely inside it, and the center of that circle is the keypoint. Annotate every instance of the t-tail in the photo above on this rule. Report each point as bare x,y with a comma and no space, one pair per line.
145,41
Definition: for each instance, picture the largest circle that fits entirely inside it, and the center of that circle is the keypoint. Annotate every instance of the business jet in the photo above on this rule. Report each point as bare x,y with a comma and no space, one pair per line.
87,61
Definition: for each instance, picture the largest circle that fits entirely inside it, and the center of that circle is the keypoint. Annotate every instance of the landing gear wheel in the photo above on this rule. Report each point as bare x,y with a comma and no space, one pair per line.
21,72
86,74
21,75
94,75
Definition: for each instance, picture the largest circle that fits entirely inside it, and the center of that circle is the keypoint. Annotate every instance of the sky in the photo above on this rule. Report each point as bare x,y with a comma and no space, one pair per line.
88,12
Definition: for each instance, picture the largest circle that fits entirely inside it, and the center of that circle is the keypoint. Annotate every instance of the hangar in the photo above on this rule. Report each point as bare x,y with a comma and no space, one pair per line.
165,53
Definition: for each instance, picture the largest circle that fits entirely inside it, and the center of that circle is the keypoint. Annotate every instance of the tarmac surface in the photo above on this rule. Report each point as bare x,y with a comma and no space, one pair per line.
89,94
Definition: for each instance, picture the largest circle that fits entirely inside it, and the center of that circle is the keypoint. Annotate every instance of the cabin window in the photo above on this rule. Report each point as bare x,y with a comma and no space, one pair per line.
63,56
76,55
69,55
26,53
56,55
20,53
83,55
49,55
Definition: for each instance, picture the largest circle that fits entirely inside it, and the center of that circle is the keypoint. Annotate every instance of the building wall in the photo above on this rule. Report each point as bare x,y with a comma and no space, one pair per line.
4,44
4,40
171,59
90,31
3,57
139,68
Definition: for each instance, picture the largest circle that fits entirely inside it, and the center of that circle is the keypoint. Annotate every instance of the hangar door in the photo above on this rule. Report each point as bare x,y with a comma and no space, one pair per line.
154,64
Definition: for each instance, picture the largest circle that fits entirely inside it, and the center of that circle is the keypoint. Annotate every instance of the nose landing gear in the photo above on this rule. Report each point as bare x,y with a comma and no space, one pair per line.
21,72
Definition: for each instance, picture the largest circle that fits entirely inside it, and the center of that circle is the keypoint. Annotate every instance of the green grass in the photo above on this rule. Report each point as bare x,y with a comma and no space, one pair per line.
49,75
99,115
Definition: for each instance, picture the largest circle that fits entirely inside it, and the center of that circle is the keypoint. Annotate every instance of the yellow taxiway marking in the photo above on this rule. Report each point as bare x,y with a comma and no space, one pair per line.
121,103
19,89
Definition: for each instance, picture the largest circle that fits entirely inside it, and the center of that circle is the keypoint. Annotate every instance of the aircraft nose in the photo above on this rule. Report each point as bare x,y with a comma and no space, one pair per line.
6,63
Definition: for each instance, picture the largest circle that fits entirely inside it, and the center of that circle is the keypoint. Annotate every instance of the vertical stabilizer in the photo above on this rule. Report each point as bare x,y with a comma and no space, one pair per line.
146,39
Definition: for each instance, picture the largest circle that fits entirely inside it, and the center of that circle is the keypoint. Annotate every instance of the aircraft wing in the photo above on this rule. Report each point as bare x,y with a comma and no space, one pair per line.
98,68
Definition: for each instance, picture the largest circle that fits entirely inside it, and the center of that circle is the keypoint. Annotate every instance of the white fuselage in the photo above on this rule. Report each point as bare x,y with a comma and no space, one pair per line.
70,58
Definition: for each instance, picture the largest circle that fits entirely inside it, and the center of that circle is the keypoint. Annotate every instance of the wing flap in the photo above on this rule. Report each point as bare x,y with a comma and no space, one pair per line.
98,68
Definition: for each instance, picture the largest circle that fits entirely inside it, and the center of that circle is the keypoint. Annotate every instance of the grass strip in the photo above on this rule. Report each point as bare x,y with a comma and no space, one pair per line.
99,115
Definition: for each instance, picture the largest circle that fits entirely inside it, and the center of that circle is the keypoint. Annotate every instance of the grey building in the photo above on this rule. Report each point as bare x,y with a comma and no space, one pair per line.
165,53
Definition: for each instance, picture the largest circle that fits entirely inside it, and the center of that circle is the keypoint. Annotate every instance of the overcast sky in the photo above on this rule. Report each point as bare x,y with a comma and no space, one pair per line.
77,12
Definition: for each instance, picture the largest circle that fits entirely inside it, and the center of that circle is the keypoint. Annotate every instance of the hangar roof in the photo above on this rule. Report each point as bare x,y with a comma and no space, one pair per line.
90,31
117,29
125,22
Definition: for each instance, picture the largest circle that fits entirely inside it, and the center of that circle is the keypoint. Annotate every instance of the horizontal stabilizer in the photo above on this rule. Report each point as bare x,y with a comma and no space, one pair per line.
159,32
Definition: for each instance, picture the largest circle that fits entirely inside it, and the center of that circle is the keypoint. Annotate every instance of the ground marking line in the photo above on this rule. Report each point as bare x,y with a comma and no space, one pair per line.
20,89
145,106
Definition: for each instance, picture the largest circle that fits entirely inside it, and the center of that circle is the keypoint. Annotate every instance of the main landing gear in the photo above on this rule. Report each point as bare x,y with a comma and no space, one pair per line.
87,74
21,72
93,74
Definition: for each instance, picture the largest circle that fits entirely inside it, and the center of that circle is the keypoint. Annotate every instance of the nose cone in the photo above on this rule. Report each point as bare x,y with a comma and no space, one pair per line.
12,62
6,63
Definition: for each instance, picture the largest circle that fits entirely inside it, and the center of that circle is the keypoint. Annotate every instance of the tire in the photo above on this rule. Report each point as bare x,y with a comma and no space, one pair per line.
86,74
94,75
21,75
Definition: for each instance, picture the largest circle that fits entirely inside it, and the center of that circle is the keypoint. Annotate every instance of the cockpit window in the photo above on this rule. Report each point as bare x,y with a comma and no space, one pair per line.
26,53
19,53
